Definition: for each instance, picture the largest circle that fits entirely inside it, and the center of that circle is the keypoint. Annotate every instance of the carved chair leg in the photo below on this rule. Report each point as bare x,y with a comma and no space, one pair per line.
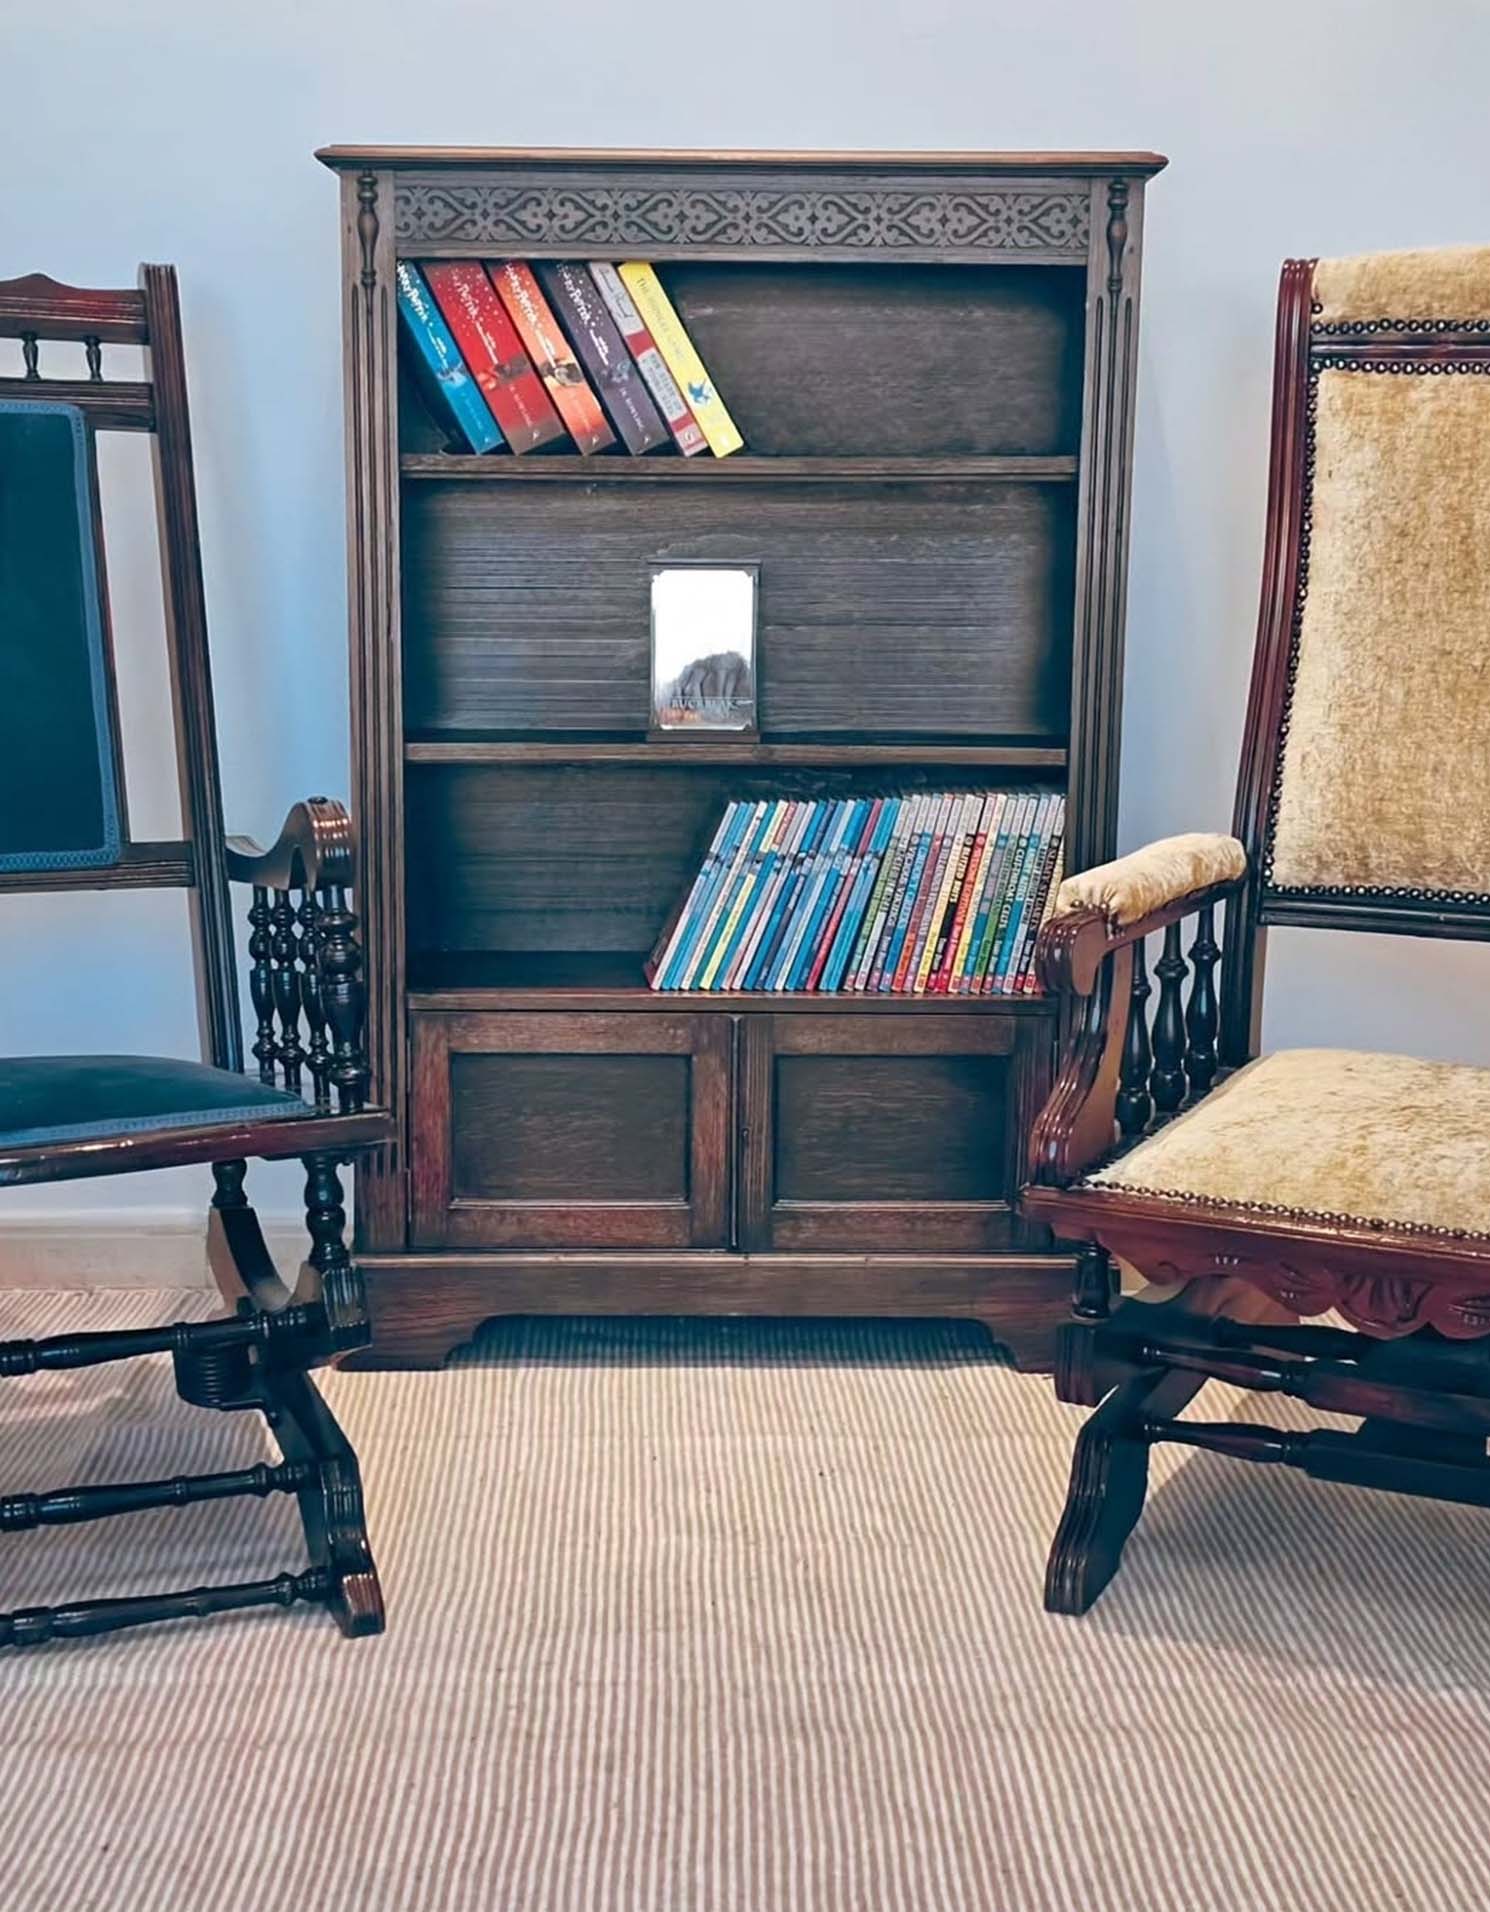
331,1505
1109,1481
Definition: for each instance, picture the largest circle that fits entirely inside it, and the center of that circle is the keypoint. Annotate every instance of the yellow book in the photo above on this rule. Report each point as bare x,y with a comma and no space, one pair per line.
680,357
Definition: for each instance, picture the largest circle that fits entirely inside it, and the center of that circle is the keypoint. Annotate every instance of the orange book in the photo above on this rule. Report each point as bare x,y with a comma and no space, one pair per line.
573,396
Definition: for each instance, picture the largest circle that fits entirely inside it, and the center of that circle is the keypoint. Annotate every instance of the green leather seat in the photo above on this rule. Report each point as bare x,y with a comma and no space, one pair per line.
65,1098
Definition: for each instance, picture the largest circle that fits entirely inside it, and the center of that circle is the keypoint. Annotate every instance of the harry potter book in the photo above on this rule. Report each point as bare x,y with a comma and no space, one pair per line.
648,360
453,396
553,355
489,343
613,372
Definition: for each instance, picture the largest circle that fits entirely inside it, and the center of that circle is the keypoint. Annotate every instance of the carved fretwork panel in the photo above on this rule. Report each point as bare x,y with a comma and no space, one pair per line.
830,217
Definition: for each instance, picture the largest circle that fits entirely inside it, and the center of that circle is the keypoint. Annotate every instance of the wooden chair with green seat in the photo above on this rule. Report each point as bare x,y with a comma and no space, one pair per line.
64,826
1260,1190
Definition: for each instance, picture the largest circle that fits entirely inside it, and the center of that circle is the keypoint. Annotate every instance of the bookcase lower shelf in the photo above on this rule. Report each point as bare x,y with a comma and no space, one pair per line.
425,1306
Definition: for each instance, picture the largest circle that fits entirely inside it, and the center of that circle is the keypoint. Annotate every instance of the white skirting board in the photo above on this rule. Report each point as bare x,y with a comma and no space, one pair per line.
126,1248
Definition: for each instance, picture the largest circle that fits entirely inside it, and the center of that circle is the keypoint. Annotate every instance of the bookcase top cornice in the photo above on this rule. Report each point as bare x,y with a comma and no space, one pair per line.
343,158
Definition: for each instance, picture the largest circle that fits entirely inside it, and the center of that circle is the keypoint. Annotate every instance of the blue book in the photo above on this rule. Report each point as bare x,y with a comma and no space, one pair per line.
853,914
788,862
752,882
762,970
835,875
453,394
912,888
817,868
675,965
671,939
772,874
715,932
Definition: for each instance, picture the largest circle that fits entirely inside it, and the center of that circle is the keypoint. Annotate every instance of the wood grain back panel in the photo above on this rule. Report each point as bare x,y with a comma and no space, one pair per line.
884,611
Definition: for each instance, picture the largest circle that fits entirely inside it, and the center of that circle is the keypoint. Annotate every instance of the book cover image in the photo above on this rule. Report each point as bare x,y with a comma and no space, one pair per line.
552,354
613,372
492,349
442,375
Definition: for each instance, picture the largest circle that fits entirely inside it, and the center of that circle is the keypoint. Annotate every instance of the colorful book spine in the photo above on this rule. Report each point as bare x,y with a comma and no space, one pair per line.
962,919
988,909
934,931
779,865
453,395
685,937
659,381
922,878
807,899
836,971
613,372
1042,862
722,916
784,885
1027,983
888,953
656,965
803,863
853,868
861,964
681,970
680,356
494,353
835,874
744,900
553,355
1012,906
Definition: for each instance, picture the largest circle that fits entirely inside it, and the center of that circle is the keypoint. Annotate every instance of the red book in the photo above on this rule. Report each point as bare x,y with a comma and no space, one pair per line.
835,916
552,353
494,353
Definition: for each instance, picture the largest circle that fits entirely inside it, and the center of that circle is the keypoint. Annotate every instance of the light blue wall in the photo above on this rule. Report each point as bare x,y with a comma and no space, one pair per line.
184,132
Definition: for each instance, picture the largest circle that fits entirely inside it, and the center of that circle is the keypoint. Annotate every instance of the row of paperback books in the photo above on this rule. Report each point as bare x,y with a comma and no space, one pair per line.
513,355
932,894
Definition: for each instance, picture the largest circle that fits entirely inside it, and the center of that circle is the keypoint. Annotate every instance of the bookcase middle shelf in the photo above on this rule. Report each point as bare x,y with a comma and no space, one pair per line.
698,750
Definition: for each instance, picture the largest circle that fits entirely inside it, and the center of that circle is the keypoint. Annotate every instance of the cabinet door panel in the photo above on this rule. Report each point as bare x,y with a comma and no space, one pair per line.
880,1133
556,1131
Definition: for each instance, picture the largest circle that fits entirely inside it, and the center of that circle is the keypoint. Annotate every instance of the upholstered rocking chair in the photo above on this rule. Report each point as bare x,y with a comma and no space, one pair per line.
1261,1190
64,825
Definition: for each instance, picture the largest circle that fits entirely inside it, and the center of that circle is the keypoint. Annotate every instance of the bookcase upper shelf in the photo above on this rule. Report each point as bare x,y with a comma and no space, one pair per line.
1013,468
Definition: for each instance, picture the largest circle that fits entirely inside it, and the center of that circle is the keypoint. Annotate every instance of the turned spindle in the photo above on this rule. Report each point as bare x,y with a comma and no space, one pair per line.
1201,1016
1135,1106
1167,1078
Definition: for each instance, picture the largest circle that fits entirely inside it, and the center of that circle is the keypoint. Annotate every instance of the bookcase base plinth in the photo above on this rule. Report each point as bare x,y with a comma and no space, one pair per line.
425,1306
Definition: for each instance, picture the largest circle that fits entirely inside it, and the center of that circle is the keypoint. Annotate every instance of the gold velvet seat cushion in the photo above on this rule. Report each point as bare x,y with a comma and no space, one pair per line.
1330,1134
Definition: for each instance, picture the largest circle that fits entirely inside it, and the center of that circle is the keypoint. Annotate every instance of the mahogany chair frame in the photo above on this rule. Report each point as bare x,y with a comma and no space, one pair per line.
1414,1369
309,999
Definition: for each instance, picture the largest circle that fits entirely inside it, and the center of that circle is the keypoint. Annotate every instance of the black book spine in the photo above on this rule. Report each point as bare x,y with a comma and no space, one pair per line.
602,351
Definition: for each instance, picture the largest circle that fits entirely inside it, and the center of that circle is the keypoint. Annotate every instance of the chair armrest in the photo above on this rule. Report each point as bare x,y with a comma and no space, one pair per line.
305,960
1099,910
313,850
1086,953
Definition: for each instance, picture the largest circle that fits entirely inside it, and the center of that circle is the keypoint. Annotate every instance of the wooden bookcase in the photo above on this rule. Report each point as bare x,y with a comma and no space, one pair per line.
932,359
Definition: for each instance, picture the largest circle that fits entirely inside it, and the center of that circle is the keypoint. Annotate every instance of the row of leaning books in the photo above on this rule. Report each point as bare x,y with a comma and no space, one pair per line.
518,355
939,893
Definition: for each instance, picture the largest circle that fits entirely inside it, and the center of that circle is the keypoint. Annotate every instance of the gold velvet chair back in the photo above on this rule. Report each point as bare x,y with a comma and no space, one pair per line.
1364,792
1364,800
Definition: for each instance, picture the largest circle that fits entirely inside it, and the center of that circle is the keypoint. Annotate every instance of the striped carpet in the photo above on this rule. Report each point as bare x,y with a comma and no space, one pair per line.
736,1617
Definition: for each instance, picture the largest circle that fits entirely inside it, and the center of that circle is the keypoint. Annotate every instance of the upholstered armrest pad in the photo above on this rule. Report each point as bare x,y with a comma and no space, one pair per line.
1132,887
